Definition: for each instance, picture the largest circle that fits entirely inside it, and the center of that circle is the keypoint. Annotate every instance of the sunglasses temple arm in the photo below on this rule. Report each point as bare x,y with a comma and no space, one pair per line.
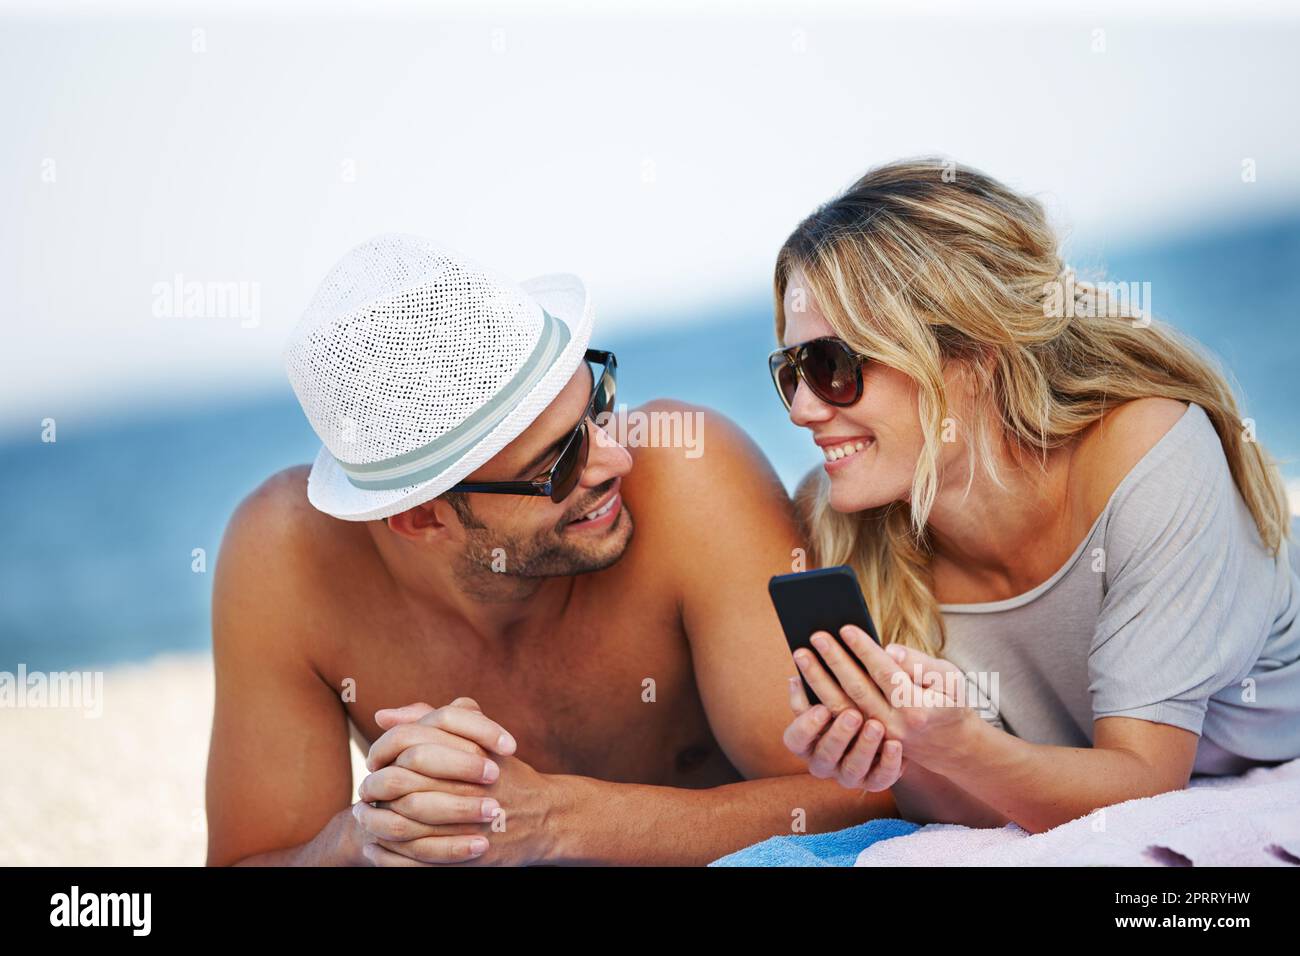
503,487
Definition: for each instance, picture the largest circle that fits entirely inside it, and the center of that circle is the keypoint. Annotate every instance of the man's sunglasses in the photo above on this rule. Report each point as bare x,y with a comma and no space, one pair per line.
561,478
828,366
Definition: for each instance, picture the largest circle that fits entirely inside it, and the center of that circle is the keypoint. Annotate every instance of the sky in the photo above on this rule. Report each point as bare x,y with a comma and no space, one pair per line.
663,151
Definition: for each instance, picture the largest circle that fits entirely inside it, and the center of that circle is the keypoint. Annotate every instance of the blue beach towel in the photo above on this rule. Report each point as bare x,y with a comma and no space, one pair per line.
840,848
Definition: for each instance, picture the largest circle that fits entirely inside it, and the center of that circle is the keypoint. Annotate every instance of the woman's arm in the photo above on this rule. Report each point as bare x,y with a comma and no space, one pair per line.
1035,785
1040,786
924,796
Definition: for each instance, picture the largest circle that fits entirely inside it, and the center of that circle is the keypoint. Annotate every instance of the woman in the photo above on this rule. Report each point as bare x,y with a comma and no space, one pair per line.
1045,495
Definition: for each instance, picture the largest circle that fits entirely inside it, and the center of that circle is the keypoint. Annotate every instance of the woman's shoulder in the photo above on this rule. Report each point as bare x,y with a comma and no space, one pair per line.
1121,441
1157,468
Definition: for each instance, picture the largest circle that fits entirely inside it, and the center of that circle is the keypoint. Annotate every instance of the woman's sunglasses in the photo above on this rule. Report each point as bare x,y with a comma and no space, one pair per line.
561,478
831,369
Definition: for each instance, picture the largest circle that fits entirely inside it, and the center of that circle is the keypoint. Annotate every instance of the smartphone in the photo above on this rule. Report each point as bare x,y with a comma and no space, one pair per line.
821,600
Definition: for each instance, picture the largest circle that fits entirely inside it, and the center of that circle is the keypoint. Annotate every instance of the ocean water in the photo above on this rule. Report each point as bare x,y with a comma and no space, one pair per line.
100,527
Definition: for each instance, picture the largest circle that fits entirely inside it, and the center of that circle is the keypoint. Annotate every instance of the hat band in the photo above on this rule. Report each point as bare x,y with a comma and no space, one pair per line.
428,461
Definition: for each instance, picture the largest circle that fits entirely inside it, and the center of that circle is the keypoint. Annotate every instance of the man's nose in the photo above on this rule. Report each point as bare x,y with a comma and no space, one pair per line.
606,458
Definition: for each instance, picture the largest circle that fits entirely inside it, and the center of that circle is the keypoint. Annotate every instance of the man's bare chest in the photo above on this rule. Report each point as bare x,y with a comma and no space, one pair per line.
609,695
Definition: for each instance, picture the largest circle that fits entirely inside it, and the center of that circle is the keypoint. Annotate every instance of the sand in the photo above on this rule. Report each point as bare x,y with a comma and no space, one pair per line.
123,789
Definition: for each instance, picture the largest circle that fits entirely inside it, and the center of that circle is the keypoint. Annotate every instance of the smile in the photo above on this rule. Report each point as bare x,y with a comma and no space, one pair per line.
602,510
599,518
846,450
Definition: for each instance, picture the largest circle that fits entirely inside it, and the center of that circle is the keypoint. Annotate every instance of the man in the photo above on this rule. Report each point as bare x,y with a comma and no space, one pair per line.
614,698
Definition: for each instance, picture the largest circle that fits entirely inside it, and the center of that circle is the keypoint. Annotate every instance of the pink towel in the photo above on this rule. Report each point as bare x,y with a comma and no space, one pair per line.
1248,820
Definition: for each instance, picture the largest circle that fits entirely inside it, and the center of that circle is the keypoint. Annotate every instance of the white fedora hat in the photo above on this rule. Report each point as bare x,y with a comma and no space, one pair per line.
415,366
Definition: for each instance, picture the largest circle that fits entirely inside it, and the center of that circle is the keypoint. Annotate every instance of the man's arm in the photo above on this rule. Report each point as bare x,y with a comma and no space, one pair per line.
564,818
593,821
726,525
279,773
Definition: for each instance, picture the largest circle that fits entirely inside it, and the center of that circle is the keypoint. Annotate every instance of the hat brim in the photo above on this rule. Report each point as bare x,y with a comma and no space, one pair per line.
328,487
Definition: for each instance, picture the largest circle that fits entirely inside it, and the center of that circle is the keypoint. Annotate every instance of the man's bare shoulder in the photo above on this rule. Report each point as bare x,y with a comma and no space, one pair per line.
679,445
805,497
277,514
275,502
705,437
720,485
279,551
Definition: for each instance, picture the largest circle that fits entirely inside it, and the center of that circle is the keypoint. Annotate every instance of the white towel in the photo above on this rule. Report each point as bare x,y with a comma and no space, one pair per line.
1248,820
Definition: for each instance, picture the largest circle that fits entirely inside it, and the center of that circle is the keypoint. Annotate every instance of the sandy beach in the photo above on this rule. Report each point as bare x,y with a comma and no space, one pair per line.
121,789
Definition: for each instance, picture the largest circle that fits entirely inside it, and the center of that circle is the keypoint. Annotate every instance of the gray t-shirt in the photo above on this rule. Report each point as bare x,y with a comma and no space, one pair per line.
1170,610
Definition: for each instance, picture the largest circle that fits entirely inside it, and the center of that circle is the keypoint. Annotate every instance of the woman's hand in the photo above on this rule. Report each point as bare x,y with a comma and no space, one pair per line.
841,747
920,701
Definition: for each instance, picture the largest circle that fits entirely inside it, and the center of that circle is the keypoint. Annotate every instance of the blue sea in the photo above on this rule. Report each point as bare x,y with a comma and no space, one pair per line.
100,527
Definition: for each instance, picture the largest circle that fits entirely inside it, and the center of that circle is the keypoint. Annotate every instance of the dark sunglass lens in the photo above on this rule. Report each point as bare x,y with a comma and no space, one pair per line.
604,394
831,370
569,468
785,377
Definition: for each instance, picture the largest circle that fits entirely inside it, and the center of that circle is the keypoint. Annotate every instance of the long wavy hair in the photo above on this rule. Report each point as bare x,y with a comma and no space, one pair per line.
924,261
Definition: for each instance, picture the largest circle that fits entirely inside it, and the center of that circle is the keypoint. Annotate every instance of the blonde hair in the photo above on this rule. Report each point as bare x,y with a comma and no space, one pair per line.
924,261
